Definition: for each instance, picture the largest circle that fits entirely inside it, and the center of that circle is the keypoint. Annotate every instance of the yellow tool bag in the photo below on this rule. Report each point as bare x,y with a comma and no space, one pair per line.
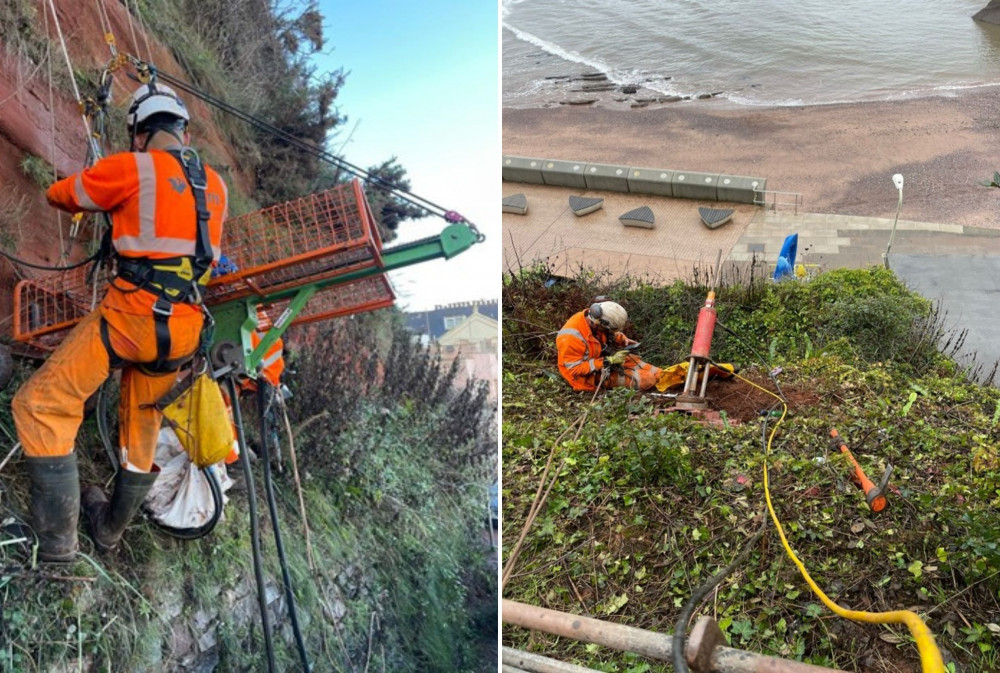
676,374
196,411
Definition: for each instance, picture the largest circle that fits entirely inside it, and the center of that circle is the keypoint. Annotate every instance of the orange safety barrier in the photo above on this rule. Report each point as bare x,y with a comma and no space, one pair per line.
288,245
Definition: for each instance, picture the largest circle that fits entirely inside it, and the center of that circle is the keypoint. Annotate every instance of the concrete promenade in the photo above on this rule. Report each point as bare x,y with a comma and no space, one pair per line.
955,265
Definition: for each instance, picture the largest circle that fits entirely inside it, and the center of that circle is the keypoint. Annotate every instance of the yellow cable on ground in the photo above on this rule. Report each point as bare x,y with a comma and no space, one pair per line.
930,656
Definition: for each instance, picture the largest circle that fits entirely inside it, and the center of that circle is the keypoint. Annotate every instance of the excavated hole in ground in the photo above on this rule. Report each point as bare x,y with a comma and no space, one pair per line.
742,402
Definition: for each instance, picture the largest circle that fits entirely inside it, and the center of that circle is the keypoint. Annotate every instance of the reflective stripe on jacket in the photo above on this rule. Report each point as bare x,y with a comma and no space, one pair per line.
152,207
273,363
579,348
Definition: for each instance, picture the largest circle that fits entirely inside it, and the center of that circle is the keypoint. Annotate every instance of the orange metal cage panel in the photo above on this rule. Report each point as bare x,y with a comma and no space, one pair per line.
294,243
288,245
336,301
44,310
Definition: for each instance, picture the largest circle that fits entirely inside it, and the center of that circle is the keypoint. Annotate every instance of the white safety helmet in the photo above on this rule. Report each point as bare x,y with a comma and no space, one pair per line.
609,315
151,99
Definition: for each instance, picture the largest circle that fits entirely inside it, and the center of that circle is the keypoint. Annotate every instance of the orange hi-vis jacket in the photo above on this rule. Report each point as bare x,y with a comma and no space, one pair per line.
154,215
273,364
580,361
152,209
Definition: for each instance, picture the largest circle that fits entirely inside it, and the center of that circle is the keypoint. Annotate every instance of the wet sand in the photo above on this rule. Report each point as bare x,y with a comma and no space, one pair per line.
839,157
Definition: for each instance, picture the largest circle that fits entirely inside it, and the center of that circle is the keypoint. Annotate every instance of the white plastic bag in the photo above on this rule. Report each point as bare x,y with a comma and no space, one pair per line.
180,496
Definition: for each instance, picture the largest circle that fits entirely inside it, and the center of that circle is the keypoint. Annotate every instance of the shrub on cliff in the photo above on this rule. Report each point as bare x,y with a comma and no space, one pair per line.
862,313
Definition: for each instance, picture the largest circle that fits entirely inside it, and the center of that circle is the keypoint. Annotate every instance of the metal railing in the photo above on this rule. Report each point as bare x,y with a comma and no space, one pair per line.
771,199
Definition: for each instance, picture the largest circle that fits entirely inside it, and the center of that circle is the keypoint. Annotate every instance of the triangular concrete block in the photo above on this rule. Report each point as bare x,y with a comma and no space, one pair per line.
516,203
582,205
638,217
715,217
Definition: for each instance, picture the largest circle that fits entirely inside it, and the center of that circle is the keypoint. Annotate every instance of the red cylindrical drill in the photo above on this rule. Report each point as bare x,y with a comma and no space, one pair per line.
700,351
706,327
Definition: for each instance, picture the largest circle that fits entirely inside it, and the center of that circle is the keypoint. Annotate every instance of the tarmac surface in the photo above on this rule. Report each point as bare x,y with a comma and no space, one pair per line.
957,266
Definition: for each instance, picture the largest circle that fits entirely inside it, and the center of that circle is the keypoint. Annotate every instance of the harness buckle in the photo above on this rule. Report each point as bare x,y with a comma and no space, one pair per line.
162,307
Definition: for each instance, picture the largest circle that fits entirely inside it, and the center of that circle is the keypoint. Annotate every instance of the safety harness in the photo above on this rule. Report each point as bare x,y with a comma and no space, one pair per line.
174,280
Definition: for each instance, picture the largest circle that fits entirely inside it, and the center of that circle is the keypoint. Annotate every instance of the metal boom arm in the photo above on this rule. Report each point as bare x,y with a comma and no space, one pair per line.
237,319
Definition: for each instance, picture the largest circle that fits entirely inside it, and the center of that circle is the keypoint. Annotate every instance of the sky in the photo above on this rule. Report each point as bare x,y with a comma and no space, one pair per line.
423,85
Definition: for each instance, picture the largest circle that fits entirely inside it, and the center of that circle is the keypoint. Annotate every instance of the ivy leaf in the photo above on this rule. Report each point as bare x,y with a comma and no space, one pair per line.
615,604
917,569
743,628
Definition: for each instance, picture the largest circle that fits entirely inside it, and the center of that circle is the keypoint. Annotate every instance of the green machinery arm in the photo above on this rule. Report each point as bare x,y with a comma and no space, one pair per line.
235,320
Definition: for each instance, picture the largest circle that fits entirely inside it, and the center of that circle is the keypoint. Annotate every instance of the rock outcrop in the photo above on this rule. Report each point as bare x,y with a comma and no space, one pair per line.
989,14
39,118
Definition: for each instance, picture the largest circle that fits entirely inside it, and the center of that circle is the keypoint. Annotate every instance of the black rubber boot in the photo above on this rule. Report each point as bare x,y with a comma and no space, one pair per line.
55,506
107,520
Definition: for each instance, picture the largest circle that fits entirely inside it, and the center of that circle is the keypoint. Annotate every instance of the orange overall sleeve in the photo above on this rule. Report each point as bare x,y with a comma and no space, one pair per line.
103,186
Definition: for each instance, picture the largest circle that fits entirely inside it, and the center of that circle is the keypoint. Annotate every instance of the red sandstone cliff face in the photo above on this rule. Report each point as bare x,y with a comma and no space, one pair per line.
31,125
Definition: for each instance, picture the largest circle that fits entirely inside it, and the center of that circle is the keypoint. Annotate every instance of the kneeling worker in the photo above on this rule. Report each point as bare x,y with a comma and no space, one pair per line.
592,332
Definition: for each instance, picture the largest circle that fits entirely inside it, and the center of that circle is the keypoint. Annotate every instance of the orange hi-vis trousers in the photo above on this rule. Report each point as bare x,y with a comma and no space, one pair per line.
48,409
637,375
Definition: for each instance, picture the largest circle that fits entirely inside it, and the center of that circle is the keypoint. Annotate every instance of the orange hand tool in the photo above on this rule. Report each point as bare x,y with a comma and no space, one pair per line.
873,494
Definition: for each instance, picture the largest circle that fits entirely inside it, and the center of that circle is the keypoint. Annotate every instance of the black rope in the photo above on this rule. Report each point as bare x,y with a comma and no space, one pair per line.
263,390
254,530
313,150
17,260
680,665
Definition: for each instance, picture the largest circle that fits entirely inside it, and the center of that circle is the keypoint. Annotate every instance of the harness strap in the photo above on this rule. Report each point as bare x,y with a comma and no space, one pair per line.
162,310
166,366
194,173
114,361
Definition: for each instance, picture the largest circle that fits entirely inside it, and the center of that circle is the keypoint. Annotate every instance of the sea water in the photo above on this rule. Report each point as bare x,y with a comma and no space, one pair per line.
751,52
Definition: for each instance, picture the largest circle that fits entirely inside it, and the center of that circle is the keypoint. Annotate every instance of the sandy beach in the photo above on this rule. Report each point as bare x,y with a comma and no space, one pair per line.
839,157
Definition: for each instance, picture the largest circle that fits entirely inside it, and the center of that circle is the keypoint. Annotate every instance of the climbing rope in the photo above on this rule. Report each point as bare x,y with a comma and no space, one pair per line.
142,29
298,484
88,110
449,216
72,78
52,127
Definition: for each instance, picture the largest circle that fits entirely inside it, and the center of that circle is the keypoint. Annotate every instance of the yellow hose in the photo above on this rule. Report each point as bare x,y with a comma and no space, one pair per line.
930,656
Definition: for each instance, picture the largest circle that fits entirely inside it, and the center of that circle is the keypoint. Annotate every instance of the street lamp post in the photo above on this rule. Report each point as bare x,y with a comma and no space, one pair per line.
897,180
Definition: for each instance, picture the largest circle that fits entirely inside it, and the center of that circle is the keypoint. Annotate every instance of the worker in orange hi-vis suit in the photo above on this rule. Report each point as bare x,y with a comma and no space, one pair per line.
272,366
585,339
167,211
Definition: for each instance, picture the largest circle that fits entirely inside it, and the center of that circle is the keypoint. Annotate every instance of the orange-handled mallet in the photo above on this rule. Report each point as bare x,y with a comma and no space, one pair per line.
873,494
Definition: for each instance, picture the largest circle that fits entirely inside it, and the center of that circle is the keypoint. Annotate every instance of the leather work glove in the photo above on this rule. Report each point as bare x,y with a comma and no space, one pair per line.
616,359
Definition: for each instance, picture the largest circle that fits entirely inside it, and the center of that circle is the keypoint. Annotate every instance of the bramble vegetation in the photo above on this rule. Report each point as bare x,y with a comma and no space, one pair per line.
395,468
395,478
648,505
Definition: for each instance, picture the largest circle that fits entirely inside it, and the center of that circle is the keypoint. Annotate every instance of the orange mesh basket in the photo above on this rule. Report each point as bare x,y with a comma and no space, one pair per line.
285,246
292,244
45,310
337,301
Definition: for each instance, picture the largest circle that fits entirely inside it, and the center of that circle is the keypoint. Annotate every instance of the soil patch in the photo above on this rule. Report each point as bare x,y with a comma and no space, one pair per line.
742,402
